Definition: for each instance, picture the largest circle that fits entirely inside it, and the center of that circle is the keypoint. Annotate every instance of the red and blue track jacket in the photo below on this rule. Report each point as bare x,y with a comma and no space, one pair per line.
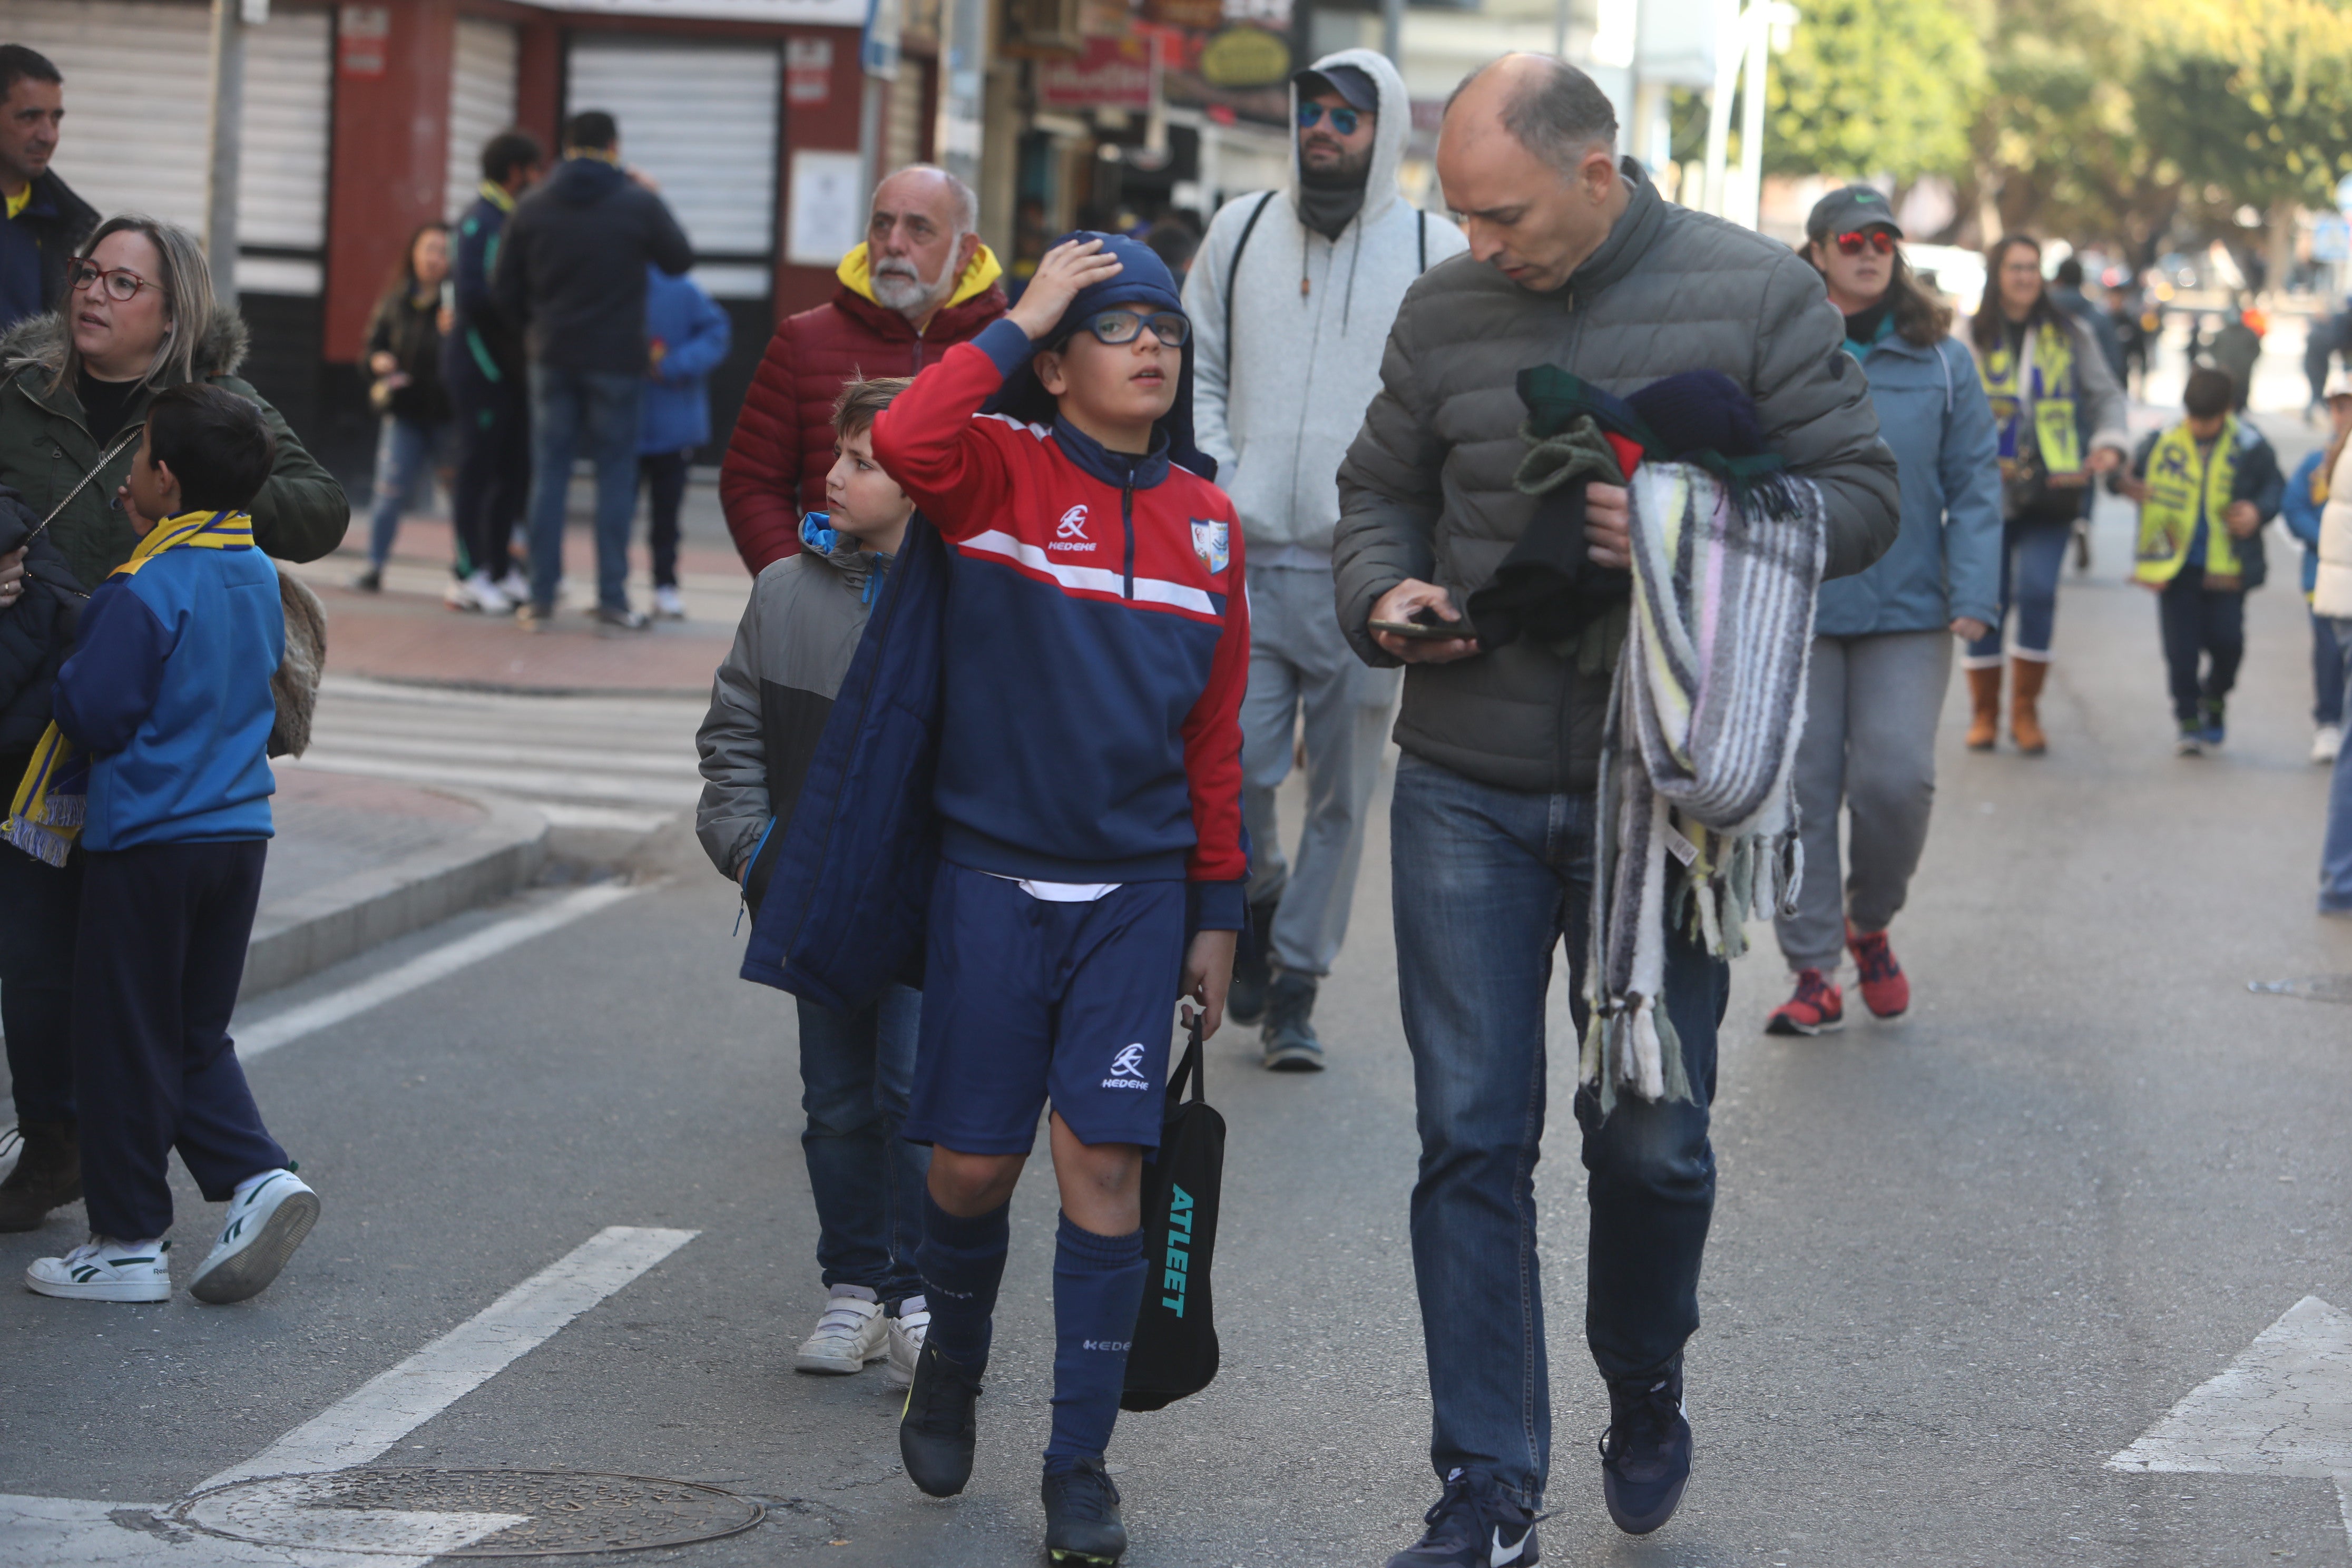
1096,643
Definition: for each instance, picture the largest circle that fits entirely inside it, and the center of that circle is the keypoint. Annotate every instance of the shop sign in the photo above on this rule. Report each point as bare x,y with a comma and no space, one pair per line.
1197,15
1108,73
362,39
1245,57
808,70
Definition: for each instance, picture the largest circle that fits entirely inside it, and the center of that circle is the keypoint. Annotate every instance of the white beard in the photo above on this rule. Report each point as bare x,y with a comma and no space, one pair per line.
903,293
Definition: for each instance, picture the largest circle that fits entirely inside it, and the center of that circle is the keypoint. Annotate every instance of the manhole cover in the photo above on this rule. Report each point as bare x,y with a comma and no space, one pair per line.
425,1513
2313,988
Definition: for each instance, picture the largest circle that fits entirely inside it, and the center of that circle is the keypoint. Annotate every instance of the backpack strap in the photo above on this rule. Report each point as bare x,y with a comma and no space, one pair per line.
1423,227
1232,274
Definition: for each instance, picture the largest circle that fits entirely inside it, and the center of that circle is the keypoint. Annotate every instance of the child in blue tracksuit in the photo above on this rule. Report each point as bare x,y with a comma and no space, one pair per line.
1088,792
686,335
157,763
2300,510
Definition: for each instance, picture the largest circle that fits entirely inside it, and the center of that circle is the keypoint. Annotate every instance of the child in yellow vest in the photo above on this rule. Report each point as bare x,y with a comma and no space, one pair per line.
2205,487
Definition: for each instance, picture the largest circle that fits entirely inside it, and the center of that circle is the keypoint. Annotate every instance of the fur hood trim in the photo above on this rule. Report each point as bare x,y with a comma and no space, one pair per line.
40,342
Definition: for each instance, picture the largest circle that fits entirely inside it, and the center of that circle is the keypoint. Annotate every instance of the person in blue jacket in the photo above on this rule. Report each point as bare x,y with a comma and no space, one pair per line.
686,335
2300,507
1883,639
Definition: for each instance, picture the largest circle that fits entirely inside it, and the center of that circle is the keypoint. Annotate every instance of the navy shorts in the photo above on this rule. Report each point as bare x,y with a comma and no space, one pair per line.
1026,1001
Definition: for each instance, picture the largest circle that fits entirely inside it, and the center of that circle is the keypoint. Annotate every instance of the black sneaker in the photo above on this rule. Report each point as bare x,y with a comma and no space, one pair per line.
621,618
2214,716
370,580
1252,967
1475,1525
1082,1522
1645,1454
937,1432
1289,1041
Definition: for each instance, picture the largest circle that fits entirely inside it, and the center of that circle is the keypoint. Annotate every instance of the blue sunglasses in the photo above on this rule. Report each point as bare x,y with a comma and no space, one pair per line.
1343,121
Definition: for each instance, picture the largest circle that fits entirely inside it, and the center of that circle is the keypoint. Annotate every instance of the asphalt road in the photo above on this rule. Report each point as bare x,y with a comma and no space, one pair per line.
1959,1261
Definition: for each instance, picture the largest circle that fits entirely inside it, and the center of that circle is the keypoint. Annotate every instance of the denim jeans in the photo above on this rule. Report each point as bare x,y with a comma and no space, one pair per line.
2032,552
1488,882
406,452
570,409
2335,858
856,1069
2204,635
2327,670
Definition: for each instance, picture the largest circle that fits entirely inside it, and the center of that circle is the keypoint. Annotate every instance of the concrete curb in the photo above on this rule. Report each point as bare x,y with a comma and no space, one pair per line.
330,924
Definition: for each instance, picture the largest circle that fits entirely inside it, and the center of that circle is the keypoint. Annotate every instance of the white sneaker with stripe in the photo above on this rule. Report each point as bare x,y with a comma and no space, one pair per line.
852,1333
267,1221
103,1270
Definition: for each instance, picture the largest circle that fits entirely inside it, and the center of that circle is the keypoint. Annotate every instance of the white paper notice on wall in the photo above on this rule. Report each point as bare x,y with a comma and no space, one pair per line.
827,213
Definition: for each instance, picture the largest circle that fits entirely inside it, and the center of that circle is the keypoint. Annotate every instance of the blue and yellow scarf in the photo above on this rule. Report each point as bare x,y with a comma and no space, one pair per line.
46,814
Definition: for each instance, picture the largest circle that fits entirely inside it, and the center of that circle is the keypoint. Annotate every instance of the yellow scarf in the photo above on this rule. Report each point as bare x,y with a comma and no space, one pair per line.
982,271
53,796
2047,404
2182,482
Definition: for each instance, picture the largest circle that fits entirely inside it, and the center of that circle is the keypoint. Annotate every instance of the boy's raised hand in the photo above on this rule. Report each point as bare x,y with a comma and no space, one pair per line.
1068,268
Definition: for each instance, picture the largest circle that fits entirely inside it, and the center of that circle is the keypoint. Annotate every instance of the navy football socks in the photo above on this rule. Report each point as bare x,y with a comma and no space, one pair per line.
1097,1291
962,1262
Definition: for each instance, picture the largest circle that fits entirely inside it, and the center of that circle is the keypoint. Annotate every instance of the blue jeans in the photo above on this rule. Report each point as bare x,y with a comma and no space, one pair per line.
2326,671
2031,553
1488,882
570,409
856,1069
2335,858
406,452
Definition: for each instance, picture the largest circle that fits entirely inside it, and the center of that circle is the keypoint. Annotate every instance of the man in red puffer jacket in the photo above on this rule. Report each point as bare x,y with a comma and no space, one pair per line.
920,284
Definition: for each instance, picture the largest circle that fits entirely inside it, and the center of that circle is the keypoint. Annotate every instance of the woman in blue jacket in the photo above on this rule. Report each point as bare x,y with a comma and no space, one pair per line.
686,335
2300,508
1883,639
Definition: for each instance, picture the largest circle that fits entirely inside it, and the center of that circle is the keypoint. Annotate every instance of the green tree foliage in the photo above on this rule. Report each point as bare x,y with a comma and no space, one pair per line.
1875,87
2254,98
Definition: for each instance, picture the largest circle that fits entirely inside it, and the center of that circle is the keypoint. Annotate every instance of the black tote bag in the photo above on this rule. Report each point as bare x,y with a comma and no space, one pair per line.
1175,1348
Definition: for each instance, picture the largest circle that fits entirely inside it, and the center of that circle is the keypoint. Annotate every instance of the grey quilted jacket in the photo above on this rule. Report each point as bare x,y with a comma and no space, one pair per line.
1426,491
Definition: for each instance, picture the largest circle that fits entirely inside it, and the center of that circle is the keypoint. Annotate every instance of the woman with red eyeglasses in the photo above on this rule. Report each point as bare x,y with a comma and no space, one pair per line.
1883,639
2062,417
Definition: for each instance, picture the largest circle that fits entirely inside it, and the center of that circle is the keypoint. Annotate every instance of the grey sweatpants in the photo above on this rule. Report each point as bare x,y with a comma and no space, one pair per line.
1871,707
1299,660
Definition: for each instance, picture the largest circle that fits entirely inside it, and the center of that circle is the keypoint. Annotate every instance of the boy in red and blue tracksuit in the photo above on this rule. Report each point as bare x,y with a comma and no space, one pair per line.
1088,790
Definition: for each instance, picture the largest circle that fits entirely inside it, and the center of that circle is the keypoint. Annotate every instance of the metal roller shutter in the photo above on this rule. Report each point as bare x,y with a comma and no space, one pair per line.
481,103
138,87
716,165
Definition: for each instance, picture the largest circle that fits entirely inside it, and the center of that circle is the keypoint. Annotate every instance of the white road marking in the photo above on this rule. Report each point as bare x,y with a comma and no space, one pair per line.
64,1533
324,1012
392,1403
563,814
2283,1408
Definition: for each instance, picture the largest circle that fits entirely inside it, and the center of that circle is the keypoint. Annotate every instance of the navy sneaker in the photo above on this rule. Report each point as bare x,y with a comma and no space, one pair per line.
1082,1522
1645,1454
1475,1525
2214,726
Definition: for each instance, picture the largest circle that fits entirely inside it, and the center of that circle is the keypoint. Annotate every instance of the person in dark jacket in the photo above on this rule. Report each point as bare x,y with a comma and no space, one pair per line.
918,284
44,219
687,337
572,272
74,395
403,349
483,369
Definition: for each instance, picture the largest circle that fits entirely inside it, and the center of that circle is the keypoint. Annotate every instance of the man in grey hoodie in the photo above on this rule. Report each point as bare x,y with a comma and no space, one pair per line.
1309,280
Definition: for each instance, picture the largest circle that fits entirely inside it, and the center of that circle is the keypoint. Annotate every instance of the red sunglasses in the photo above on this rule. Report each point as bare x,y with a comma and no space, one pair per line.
1876,239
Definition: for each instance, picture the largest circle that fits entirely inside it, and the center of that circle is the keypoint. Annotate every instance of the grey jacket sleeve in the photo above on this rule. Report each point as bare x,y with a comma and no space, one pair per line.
734,811
2106,411
1814,403
1391,492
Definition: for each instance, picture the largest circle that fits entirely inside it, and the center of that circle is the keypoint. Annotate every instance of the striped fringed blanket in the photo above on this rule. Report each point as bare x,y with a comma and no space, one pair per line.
1704,719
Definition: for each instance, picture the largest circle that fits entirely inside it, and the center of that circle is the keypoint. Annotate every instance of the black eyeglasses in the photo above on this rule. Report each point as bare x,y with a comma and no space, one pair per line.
1116,327
122,284
1343,121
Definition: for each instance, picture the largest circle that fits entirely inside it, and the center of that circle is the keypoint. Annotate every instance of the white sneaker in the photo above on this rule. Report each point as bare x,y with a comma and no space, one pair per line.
907,1331
2326,742
850,1334
103,1270
459,597
515,588
267,1219
668,605
487,596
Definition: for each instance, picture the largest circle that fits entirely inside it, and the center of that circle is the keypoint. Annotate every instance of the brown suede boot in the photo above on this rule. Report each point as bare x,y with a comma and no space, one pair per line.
48,1174
1984,701
2024,706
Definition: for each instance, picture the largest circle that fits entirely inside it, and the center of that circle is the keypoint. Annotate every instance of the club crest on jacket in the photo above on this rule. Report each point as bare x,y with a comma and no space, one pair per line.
1211,545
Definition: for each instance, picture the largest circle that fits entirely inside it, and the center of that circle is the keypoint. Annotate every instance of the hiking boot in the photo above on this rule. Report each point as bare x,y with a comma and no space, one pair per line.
48,1174
1816,1009
937,1429
1984,709
1289,1040
1252,967
2025,705
1082,1522
2213,721
535,617
1645,1454
103,1270
1885,991
267,1219
1474,1524
852,1333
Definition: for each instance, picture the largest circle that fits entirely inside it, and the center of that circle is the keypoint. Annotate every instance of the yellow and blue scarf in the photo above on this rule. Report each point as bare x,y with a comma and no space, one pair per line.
53,797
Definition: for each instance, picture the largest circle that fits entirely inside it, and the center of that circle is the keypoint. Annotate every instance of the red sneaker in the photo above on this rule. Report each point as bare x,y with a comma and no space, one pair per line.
1885,991
1816,1009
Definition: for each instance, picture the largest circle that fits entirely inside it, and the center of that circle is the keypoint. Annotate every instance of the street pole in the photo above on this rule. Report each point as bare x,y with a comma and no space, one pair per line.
1392,32
877,62
1729,29
225,131
962,84
1751,117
